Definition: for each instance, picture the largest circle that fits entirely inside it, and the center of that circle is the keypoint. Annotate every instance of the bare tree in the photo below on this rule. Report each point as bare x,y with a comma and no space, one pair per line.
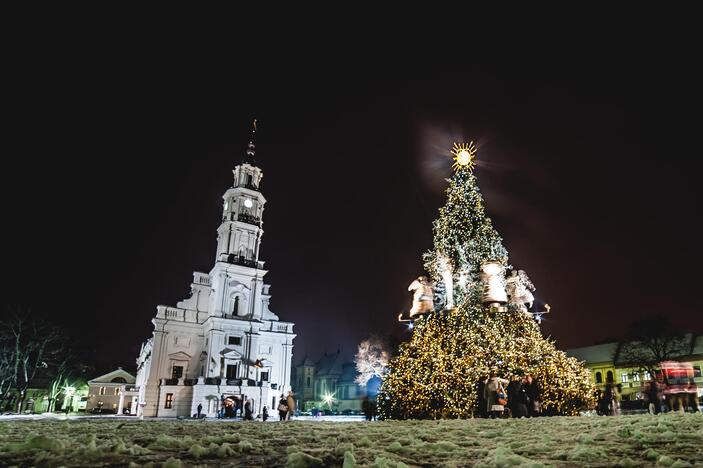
372,359
28,345
650,341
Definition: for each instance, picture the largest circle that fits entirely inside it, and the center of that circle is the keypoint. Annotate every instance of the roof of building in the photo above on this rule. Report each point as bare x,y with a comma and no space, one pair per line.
329,365
597,353
118,376
613,352
307,362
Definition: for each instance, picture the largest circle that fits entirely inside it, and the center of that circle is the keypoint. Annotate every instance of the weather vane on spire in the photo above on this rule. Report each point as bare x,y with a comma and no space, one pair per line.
464,155
251,149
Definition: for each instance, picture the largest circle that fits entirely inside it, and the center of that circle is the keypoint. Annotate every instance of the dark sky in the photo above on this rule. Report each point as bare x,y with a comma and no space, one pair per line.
118,154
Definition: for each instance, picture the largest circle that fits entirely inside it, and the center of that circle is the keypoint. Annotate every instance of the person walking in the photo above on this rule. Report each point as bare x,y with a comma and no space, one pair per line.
652,393
495,395
264,414
200,409
290,401
282,408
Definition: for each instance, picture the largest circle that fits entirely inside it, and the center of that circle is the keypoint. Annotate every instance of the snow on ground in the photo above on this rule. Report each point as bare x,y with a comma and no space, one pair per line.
666,440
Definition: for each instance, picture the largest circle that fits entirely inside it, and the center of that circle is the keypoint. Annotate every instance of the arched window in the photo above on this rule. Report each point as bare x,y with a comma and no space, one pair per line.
599,377
235,306
118,380
609,377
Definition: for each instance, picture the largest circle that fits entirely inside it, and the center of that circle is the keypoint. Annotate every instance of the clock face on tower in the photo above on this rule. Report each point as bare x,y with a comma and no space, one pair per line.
248,203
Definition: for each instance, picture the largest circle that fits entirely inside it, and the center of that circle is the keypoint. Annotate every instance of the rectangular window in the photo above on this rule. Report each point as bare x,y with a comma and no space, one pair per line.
117,390
308,382
696,371
647,375
624,377
169,401
235,340
231,371
636,377
264,376
177,372
102,391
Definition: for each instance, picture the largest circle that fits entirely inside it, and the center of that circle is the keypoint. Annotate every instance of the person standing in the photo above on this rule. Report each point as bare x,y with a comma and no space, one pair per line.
247,411
290,402
282,408
264,414
366,407
517,398
200,409
533,396
494,386
481,398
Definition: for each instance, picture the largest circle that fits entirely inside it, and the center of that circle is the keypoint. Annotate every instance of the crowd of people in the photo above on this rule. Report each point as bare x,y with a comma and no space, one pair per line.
518,397
659,396
286,410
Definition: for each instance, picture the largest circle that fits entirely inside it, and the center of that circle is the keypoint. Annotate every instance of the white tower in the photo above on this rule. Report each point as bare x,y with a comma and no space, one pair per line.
222,345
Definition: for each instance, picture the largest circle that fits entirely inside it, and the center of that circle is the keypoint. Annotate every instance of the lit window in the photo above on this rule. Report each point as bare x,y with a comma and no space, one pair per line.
636,377
625,377
169,401
647,375
102,391
117,390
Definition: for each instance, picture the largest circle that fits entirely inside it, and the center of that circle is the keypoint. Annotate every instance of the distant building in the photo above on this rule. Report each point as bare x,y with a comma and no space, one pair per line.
328,384
112,393
222,345
605,363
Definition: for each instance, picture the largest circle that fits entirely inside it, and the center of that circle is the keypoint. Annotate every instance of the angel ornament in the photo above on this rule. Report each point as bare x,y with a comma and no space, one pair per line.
422,296
519,289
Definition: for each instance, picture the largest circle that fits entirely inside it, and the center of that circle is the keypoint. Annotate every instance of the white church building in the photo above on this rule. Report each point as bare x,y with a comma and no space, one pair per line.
222,346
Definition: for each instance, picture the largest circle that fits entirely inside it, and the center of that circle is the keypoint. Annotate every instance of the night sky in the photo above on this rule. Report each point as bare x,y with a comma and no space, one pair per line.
116,163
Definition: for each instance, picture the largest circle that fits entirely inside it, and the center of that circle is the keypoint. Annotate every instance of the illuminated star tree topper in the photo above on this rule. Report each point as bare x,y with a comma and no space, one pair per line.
464,155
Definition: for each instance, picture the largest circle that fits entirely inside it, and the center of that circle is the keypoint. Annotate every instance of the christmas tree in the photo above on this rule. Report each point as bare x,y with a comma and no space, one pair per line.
474,330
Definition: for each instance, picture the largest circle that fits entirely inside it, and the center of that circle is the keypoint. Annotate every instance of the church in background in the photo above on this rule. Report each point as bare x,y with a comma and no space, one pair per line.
222,346
330,384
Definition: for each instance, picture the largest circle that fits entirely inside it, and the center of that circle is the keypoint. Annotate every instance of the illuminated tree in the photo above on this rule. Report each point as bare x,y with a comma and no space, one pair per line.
435,374
371,359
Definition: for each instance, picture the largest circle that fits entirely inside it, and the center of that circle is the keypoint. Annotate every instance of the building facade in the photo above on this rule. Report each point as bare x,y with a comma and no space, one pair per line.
606,364
222,346
112,393
328,384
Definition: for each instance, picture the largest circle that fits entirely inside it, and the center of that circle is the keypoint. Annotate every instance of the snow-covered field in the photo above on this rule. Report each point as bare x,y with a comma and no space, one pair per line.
664,440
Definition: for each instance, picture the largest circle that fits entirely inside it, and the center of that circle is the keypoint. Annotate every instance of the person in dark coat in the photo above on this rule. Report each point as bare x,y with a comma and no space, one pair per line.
282,408
264,414
652,393
517,398
481,401
200,409
247,411
534,397
366,407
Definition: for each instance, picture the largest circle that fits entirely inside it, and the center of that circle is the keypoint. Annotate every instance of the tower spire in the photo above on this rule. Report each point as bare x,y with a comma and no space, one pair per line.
251,149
